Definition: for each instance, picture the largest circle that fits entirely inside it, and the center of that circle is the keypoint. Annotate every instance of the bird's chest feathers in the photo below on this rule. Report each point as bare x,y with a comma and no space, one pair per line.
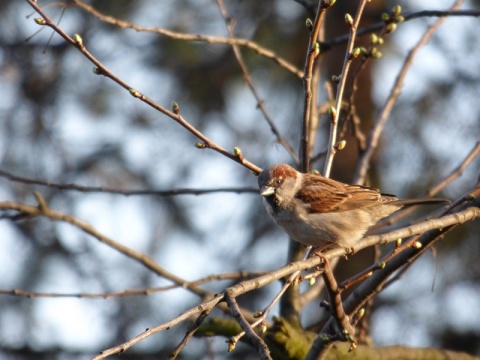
283,210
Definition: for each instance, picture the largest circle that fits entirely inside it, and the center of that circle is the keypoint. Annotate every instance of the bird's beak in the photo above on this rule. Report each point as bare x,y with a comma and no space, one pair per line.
267,191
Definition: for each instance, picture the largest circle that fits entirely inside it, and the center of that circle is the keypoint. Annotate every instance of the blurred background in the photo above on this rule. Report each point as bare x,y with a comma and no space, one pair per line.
62,123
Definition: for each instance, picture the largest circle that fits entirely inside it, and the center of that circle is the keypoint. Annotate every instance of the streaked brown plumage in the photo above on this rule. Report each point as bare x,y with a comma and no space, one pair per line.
319,211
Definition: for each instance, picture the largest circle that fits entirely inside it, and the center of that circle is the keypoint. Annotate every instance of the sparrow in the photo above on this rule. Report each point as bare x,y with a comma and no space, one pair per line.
321,212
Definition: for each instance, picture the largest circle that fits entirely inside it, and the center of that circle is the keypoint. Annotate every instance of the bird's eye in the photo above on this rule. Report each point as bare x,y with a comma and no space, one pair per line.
278,182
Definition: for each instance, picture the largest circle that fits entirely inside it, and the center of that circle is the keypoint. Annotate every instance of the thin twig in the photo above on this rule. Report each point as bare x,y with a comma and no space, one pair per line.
334,116
44,210
248,79
374,284
336,306
100,69
249,44
133,292
256,340
456,173
435,189
198,309
313,51
327,45
190,332
374,136
106,189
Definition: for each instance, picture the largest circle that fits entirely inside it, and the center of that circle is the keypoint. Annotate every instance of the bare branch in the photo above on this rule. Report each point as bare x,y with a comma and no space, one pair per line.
313,51
251,85
335,112
206,306
327,45
106,189
44,210
257,341
134,292
100,69
252,45
191,331
374,136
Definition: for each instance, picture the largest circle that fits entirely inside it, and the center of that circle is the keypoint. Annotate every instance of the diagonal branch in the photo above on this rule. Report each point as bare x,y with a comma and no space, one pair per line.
251,85
381,120
174,114
269,54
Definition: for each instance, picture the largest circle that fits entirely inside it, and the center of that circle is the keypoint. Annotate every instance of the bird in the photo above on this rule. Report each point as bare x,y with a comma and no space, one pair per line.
322,212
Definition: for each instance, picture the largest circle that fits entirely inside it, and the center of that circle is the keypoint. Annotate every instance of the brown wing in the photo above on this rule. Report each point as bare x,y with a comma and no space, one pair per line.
327,195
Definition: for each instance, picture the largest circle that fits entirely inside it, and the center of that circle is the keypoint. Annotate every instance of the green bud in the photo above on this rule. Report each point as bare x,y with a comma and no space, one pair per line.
263,327
361,313
341,145
237,152
309,24
327,3
315,49
134,93
376,54
348,19
175,108
332,112
231,344
391,28
385,17
258,314
78,40
40,21
396,10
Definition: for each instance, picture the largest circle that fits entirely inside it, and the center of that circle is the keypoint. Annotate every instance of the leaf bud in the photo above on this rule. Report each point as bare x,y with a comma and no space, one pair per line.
348,19
40,21
175,108
78,40
309,24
